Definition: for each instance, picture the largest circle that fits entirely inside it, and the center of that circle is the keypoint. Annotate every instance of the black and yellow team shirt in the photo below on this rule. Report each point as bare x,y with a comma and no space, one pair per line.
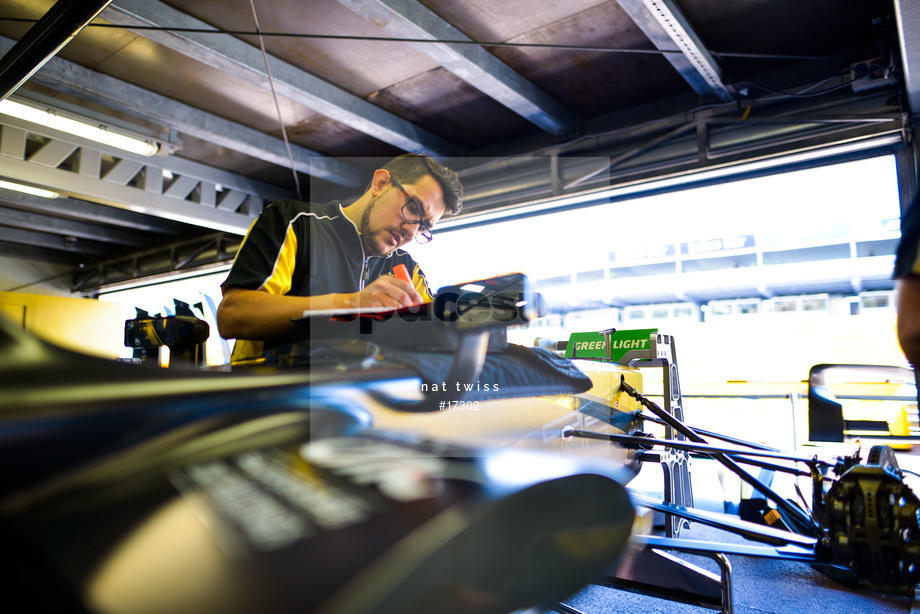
308,249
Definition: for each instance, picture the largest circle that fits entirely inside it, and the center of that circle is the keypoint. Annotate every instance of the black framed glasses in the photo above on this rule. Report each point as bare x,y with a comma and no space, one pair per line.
412,213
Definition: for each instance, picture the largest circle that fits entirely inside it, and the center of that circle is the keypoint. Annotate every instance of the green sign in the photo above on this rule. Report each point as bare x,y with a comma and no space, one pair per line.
594,345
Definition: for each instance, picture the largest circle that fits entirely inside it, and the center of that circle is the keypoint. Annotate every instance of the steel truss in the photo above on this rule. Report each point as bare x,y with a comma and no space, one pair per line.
200,254
162,186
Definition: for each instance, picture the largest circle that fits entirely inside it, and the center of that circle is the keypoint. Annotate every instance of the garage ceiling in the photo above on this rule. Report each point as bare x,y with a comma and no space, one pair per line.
527,99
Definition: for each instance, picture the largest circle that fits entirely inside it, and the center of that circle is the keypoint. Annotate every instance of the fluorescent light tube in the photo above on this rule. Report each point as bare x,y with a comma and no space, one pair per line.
94,132
27,189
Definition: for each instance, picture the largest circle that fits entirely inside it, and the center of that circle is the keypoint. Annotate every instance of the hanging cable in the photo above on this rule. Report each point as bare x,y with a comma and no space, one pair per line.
518,45
271,83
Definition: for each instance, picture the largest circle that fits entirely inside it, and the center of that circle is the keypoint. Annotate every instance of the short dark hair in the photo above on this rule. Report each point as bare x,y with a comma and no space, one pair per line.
409,168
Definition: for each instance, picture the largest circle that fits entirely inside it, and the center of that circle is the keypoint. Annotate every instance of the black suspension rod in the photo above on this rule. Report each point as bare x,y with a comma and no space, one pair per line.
729,463
693,447
714,435
704,454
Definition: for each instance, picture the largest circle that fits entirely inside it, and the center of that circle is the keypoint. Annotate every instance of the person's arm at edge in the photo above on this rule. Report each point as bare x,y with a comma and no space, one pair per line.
909,318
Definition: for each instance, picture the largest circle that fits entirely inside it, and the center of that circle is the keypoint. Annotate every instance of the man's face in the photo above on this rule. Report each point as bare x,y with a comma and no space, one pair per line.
383,227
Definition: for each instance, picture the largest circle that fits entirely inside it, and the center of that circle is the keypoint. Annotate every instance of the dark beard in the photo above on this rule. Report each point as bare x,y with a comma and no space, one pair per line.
363,228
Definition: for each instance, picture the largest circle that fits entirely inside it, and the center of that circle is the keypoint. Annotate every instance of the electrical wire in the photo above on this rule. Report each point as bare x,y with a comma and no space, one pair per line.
346,37
271,83
878,47
805,93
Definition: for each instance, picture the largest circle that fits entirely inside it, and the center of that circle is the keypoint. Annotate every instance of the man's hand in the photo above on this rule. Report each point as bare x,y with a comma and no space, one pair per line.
387,291
256,314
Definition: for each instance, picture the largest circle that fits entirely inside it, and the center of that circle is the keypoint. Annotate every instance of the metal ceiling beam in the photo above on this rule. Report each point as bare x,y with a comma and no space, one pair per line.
24,220
907,15
667,27
85,211
43,40
38,255
411,20
138,102
245,61
73,245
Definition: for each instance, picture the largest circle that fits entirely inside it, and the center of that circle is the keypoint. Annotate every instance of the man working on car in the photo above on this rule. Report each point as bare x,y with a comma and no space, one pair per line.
301,256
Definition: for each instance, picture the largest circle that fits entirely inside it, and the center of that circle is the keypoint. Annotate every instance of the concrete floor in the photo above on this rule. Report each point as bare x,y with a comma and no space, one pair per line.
760,586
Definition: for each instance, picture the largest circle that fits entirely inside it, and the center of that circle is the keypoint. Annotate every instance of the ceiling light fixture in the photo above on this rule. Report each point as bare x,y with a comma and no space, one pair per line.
163,278
99,133
27,189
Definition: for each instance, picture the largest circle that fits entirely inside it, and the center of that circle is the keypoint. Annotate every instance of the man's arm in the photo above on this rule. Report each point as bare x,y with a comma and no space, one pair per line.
258,315
909,318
